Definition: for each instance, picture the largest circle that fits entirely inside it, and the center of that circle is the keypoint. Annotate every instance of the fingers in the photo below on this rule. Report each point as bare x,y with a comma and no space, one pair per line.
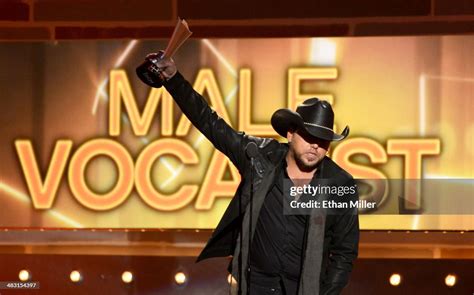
162,76
166,65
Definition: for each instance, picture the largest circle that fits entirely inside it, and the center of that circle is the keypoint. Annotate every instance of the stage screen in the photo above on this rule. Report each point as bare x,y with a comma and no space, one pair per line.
85,144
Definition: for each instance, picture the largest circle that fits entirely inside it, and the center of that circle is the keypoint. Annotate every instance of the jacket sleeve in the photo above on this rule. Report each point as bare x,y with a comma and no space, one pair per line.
230,142
343,249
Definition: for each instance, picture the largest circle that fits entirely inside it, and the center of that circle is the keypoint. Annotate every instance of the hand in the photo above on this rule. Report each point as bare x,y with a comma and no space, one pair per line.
166,65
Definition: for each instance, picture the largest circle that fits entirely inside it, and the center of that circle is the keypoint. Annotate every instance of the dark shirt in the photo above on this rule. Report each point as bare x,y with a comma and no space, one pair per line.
277,244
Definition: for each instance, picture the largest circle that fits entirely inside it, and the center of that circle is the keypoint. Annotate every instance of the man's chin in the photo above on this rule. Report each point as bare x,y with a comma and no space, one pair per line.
307,165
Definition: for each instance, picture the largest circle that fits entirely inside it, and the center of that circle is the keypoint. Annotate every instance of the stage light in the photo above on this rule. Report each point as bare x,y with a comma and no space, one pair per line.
75,276
395,279
180,278
24,275
450,280
323,52
127,277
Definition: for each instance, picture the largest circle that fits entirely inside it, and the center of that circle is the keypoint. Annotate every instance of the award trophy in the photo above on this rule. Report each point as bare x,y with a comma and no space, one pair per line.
149,71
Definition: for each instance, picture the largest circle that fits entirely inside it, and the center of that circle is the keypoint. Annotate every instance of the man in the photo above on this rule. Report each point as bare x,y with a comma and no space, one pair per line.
287,253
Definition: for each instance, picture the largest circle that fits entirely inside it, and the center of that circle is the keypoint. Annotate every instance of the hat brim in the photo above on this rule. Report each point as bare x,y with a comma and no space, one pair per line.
283,119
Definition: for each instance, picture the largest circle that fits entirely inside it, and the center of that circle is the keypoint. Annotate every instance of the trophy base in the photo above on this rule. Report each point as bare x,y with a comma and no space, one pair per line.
149,74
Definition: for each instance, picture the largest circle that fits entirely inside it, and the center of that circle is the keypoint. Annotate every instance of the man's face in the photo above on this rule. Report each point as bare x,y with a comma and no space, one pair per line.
307,150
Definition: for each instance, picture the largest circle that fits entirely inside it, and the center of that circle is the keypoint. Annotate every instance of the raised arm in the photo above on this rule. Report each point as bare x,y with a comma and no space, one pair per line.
206,120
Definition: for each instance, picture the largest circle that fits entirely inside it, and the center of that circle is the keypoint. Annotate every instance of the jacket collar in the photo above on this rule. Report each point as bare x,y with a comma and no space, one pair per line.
278,155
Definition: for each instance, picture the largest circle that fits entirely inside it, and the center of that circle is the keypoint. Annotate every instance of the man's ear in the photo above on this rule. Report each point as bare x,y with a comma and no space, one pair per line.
289,135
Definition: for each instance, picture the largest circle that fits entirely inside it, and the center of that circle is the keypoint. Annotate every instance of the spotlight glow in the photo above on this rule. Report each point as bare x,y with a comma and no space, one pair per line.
395,279
75,276
180,278
127,277
450,280
24,275
323,52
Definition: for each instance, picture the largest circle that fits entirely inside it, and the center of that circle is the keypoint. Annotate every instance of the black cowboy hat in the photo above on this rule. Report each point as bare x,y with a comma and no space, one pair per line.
313,115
